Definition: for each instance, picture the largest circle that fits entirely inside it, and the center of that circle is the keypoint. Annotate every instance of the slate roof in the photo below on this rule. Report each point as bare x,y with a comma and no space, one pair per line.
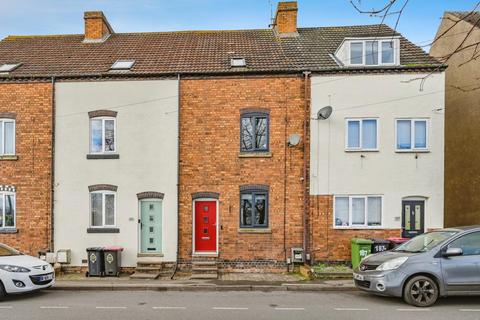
192,52
469,16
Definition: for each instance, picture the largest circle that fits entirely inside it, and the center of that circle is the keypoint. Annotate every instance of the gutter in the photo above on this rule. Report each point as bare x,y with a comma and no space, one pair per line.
178,179
52,170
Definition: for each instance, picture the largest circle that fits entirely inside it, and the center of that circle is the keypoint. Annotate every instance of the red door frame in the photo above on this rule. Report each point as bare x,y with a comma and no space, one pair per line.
212,225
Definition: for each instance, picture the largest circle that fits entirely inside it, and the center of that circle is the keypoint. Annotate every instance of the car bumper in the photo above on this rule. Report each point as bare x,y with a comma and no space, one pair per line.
387,283
28,283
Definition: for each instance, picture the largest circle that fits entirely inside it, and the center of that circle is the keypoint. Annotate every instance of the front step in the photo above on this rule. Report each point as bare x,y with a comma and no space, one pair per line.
147,268
149,276
204,268
204,276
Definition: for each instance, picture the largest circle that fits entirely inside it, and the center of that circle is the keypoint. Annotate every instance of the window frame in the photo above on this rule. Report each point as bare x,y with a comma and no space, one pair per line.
359,226
255,115
379,52
412,135
2,143
3,197
253,193
361,148
460,237
103,119
103,193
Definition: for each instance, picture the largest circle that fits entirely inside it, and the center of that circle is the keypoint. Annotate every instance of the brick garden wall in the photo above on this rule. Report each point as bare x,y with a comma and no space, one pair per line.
210,162
329,244
30,172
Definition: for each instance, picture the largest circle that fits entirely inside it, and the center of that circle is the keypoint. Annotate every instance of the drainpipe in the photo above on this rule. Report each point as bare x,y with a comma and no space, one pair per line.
52,170
178,179
306,199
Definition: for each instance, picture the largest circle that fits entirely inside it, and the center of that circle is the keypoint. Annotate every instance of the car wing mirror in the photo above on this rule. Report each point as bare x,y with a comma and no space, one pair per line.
452,252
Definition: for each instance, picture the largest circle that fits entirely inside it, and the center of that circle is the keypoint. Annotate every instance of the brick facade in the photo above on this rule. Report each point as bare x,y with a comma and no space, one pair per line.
210,161
329,244
30,170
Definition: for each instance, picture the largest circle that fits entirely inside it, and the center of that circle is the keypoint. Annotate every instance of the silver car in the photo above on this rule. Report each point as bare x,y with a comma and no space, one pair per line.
432,265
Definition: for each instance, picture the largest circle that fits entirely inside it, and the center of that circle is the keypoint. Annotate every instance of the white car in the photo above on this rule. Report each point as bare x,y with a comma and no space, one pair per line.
21,273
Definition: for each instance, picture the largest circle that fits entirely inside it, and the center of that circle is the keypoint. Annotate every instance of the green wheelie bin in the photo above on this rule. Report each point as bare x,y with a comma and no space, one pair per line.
360,249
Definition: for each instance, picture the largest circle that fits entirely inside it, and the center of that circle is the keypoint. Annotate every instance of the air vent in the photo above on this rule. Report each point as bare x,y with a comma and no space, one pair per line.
9,67
122,65
238,62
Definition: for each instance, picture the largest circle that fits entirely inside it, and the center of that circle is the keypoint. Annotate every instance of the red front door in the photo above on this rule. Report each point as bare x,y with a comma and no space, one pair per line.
205,226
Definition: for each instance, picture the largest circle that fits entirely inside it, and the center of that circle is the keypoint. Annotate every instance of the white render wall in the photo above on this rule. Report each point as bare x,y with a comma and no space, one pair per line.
386,172
147,142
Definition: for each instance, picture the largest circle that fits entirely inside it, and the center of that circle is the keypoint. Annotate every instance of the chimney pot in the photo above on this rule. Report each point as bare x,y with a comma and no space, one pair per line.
285,23
97,28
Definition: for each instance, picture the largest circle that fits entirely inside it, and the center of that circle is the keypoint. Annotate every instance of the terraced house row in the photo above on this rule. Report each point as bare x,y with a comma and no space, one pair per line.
195,146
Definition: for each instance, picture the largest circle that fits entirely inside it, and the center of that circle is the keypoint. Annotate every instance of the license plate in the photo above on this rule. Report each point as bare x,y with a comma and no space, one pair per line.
359,277
45,277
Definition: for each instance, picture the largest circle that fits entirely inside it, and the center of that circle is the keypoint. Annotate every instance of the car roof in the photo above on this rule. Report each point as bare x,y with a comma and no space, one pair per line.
462,228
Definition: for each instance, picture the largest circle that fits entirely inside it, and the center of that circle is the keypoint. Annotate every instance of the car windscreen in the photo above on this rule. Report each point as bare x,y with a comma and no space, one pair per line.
6,251
425,242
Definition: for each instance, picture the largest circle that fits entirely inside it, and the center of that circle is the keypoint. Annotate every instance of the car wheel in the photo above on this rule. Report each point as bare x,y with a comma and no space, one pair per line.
3,293
421,291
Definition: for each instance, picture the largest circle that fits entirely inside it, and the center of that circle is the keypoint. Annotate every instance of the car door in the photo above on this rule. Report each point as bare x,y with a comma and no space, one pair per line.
461,274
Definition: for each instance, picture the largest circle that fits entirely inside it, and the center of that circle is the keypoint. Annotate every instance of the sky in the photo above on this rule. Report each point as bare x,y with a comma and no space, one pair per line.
419,22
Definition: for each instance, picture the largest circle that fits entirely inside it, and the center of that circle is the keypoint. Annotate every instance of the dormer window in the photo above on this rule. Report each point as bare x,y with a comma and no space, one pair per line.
9,67
369,52
123,65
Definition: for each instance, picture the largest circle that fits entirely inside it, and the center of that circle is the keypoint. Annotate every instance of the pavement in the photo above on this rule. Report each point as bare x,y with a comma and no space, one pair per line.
143,305
226,282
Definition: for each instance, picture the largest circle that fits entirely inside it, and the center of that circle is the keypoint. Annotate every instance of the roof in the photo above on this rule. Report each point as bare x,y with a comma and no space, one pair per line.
472,17
192,52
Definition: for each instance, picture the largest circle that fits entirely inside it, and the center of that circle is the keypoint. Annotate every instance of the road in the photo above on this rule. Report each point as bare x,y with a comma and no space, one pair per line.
143,305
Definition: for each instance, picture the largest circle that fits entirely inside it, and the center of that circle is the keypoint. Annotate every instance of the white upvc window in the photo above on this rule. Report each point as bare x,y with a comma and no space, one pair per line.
361,134
7,210
7,137
358,211
102,209
103,135
411,135
372,52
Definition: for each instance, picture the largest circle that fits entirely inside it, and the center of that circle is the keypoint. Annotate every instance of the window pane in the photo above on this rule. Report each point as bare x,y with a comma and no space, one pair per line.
369,134
404,134
353,134
387,52
420,134
358,211
109,135
260,209
247,134
470,244
261,134
9,211
1,210
341,211
9,138
374,211
109,209
96,203
371,53
356,53
246,210
96,135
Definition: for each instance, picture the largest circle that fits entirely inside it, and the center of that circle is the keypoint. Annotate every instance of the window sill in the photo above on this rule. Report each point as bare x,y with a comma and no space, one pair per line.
93,156
9,158
254,230
103,230
8,231
255,154
359,228
412,151
362,150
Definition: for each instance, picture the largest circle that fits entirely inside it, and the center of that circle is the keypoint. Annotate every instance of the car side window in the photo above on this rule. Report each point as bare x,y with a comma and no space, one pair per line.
470,244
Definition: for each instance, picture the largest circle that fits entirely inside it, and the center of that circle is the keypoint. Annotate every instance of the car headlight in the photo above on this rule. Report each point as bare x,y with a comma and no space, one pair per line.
10,268
392,264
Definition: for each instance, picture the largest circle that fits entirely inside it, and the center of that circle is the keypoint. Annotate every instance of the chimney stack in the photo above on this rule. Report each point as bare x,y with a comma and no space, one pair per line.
97,28
285,23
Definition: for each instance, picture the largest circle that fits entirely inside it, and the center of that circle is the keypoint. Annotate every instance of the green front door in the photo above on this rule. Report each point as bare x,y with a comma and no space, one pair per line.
150,226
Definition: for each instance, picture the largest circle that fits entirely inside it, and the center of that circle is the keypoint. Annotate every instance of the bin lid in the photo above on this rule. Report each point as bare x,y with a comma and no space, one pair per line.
113,248
95,249
382,241
361,241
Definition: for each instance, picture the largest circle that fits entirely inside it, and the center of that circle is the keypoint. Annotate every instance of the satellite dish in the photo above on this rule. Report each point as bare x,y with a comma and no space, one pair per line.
294,140
324,113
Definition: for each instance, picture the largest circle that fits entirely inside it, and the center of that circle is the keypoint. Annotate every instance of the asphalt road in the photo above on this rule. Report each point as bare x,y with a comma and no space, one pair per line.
140,305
